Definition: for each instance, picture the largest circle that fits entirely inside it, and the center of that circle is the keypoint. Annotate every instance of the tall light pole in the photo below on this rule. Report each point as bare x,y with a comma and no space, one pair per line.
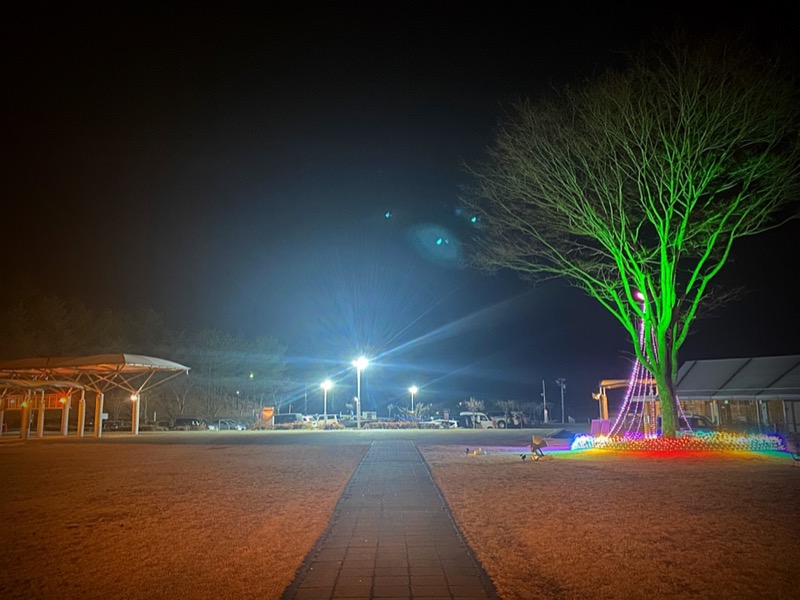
135,413
544,403
326,385
413,390
360,364
562,383
253,391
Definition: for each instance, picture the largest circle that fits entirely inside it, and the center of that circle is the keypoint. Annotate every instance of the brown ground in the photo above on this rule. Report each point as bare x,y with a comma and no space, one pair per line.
617,526
106,520
162,521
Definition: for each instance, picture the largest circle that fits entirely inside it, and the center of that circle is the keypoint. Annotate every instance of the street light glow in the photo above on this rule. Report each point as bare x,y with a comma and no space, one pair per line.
413,389
325,385
360,364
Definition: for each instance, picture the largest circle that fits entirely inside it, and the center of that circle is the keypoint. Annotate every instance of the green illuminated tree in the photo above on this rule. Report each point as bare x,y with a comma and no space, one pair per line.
634,186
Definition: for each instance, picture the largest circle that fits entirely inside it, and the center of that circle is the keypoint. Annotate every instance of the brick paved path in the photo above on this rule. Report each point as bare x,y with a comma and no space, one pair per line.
391,536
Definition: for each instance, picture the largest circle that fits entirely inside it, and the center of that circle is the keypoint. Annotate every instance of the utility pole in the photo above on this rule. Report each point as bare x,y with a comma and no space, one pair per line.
562,383
544,403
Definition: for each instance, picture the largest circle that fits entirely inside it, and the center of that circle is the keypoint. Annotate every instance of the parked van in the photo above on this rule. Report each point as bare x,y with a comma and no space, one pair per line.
475,420
288,419
326,421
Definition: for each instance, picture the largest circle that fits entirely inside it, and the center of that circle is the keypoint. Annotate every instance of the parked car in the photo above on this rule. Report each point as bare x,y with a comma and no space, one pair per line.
188,424
323,421
444,423
115,425
292,421
226,425
501,421
696,423
513,419
475,420
287,418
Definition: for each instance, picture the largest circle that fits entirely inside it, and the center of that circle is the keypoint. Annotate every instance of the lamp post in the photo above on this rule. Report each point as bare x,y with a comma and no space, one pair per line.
326,385
413,390
544,403
135,414
253,391
360,364
562,383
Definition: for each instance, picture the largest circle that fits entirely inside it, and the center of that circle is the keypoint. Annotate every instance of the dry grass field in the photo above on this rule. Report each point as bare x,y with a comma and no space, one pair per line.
174,521
602,525
216,520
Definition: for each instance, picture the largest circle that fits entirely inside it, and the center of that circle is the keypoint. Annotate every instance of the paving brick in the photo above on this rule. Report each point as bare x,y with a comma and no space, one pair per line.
391,536
391,591
352,591
317,578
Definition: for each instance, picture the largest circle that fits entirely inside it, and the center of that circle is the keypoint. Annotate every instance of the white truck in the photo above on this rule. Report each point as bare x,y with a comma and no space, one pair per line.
475,420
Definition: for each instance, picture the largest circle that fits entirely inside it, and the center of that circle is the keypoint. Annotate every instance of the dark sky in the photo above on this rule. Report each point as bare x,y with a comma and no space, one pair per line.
232,168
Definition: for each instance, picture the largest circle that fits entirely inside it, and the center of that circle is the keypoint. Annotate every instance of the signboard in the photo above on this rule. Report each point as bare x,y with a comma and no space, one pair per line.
267,412
446,414
104,416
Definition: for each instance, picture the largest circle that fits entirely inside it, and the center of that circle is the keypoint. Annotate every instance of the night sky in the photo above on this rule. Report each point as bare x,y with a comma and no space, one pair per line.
296,172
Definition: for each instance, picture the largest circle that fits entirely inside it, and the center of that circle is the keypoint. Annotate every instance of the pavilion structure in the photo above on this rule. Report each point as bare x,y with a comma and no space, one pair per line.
39,384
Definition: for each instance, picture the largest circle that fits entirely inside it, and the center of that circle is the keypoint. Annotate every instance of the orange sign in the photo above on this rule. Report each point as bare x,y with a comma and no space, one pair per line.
267,412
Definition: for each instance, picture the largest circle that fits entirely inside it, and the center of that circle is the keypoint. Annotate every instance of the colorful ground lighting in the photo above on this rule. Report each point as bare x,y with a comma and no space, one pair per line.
699,441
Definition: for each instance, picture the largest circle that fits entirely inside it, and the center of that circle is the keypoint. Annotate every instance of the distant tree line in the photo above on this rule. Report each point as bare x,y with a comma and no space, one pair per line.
230,374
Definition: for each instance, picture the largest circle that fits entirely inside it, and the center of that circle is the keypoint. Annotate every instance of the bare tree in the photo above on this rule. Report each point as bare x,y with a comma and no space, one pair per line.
507,406
421,410
473,404
635,185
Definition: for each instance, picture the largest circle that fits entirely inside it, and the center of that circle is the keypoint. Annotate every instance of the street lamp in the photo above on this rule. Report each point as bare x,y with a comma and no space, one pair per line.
135,414
326,385
360,364
413,390
253,391
562,383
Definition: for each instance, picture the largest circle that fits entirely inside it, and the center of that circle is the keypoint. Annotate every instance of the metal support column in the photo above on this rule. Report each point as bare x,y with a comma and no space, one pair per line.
25,419
98,414
136,398
65,415
40,417
82,413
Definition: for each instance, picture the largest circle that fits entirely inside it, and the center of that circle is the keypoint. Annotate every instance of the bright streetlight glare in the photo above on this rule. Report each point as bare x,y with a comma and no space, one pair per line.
413,389
360,364
325,385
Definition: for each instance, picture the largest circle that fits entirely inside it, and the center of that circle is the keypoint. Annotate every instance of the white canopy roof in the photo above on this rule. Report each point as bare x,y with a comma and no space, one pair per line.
132,372
755,378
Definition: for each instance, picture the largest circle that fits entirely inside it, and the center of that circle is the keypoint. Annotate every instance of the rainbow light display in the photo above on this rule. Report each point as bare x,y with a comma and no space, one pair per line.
638,413
635,427
696,441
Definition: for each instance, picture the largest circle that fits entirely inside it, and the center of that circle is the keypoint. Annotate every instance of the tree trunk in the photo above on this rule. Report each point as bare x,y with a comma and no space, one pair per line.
663,358
669,403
